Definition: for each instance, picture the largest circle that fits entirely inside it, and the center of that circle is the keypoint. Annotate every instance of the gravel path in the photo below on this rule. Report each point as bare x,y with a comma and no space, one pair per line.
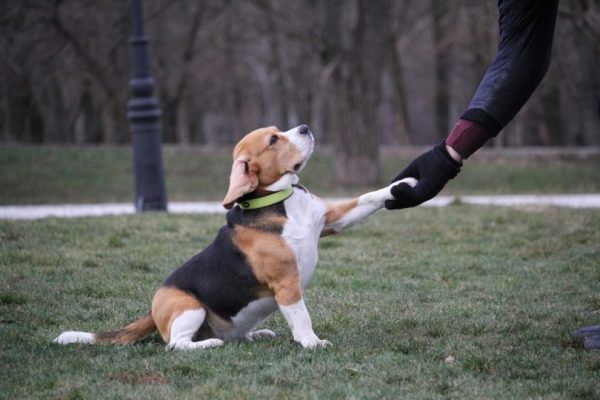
89,210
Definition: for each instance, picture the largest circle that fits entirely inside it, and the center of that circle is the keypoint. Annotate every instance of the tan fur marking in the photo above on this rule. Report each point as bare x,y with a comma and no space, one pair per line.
169,303
328,232
272,262
336,211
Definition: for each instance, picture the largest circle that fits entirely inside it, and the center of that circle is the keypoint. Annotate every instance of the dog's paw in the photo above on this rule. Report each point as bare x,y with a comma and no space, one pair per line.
382,195
209,343
261,333
412,182
312,342
186,344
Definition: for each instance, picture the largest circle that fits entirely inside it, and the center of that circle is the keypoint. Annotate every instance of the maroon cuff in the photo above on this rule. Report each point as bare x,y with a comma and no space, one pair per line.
467,137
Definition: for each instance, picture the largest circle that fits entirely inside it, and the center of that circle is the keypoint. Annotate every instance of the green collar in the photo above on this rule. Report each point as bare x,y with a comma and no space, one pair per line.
261,202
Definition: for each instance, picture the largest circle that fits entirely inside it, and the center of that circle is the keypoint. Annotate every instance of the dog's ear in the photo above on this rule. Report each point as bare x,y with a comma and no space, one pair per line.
243,180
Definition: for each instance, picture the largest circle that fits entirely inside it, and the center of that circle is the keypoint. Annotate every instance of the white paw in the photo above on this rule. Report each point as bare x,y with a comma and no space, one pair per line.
312,342
261,333
210,343
412,182
386,193
186,344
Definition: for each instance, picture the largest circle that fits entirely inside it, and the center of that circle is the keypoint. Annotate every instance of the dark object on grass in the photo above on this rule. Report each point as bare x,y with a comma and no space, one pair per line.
592,343
590,336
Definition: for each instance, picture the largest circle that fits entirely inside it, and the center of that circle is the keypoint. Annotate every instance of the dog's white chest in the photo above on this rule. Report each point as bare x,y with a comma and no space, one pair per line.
306,218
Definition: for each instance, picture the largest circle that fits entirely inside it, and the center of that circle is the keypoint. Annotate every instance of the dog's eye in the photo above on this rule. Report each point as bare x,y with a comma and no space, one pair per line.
273,140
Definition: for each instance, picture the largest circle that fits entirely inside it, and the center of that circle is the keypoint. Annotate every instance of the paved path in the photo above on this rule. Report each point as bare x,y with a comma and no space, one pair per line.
87,210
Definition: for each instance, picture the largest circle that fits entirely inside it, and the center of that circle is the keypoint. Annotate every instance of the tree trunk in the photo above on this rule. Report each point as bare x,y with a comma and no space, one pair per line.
441,71
355,140
356,90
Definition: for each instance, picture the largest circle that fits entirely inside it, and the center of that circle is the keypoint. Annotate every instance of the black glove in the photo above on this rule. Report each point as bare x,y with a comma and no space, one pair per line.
432,169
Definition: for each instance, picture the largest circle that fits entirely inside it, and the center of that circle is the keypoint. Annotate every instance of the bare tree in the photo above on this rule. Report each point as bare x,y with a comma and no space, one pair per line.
359,37
362,73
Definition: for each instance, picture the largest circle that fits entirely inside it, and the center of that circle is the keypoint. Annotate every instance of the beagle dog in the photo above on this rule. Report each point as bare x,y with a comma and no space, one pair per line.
260,260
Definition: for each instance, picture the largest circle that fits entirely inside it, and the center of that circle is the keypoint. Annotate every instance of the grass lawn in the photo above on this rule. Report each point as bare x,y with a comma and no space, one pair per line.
46,175
498,290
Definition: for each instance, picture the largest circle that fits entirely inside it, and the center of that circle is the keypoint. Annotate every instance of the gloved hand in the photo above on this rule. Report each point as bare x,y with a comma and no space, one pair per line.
432,169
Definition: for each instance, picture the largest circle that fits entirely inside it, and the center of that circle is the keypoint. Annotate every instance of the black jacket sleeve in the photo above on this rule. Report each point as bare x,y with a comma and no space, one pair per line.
523,57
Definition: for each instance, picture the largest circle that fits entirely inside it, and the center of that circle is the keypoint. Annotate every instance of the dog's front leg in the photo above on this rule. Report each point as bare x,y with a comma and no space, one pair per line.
288,294
341,216
300,324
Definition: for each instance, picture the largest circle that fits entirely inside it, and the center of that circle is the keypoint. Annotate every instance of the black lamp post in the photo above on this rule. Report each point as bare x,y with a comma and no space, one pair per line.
144,118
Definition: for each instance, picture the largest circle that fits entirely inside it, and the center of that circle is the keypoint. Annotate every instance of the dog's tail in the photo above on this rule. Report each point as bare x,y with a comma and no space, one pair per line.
132,333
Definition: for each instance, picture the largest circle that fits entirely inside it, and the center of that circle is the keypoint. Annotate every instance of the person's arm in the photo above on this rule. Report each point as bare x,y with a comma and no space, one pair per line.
526,33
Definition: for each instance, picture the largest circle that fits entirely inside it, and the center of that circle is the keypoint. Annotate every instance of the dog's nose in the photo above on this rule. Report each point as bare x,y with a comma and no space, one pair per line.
303,129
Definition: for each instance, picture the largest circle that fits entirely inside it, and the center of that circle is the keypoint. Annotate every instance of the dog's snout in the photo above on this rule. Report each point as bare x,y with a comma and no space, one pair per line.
303,129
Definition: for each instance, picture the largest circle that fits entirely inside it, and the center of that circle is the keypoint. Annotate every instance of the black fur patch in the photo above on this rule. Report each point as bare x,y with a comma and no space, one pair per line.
220,276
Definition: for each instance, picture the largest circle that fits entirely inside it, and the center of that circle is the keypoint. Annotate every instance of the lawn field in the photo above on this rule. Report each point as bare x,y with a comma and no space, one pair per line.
51,175
462,302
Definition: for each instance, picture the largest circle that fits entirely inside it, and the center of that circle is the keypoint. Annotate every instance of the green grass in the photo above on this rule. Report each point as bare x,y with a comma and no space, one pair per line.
39,175
500,290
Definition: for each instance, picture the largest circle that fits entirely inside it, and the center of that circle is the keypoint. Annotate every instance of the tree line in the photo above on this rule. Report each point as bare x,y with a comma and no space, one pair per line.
361,73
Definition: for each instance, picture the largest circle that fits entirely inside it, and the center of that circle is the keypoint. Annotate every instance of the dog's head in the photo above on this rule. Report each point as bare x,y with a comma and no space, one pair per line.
268,160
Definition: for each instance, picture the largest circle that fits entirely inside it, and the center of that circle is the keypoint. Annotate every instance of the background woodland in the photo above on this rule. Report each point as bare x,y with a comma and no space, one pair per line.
361,73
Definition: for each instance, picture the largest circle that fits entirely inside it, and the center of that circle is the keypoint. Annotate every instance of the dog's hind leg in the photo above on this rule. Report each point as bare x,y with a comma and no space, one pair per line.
179,315
183,329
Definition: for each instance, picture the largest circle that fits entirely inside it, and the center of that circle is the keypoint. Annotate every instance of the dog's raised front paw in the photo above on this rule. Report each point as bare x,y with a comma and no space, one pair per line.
382,195
412,182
